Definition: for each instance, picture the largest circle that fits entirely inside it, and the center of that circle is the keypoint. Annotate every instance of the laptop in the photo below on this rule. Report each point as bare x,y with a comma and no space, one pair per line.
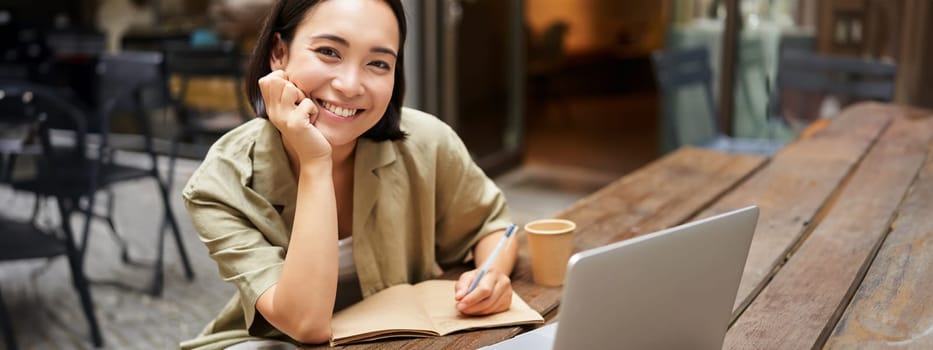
672,289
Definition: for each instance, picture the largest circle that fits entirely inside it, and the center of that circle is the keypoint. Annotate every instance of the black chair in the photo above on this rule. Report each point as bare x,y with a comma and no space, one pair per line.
15,71
33,109
6,326
134,82
817,75
123,80
185,62
683,69
71,61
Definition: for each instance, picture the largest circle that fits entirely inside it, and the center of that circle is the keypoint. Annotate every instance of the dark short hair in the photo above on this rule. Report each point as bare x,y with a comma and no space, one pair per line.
284,19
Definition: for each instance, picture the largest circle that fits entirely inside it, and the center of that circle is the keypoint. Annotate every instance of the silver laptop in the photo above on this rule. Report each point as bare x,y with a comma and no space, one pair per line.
672,289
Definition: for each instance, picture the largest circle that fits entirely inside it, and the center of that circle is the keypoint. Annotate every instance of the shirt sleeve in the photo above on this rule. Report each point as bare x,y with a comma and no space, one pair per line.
470,205
230,219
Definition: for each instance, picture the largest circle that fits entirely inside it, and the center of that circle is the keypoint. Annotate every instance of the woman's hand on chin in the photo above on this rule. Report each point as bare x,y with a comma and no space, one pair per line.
295,116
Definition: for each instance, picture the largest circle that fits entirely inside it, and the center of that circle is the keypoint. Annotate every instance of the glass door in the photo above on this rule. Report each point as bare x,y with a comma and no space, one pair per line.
477,76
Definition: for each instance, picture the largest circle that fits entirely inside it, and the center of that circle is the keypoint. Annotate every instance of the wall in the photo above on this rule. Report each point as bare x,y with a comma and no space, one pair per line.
898,31
413,54
629,26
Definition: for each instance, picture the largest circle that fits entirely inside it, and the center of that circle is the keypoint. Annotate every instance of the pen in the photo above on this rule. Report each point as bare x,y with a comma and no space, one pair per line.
492,258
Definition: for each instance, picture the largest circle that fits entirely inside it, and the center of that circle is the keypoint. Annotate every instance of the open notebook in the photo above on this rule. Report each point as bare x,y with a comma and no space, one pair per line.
422,310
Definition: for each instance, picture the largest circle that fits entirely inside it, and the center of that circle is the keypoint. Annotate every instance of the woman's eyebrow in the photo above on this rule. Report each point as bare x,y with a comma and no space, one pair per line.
332,37
344,42
384,50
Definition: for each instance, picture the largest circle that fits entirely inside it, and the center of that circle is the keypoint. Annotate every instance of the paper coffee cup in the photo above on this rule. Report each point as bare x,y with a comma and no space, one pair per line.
551,244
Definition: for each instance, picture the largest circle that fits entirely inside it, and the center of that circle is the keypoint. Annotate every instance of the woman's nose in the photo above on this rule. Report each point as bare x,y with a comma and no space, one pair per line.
348,83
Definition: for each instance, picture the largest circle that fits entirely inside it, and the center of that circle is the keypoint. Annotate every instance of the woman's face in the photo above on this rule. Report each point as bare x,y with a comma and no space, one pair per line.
342,56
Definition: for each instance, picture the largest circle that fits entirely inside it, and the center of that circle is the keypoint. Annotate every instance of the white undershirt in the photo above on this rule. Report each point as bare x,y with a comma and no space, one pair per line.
345,259
348,284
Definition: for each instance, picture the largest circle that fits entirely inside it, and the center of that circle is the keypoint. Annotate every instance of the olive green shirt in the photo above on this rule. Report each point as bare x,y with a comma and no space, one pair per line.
418,204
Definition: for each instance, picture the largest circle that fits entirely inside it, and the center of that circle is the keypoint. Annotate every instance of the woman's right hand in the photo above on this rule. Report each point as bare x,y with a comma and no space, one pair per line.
294,115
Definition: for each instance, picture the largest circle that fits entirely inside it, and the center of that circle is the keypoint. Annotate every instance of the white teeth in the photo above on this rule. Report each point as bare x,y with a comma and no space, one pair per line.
343,112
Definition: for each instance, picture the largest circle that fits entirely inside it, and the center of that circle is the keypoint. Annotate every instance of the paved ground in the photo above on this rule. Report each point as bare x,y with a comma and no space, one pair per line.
46,311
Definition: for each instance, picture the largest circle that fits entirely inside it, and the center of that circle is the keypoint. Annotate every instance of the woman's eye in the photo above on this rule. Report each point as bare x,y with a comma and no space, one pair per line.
380,64
326,51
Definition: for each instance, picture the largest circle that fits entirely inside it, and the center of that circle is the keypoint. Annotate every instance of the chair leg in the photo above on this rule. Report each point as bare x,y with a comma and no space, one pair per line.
34,218
170,215
88,217
158,277
6,326
124,246
89,214
156,288
78,278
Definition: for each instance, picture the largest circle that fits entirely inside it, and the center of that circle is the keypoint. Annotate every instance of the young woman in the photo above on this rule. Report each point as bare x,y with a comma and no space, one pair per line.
336,192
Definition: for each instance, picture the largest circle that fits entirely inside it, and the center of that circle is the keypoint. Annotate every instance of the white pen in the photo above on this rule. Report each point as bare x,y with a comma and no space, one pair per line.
492,257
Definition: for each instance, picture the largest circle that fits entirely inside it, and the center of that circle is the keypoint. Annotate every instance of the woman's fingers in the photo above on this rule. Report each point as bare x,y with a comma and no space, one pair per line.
463,284
271,85
291,95
294,115
291,107
306,110
493,294
280,95
502,300
481,292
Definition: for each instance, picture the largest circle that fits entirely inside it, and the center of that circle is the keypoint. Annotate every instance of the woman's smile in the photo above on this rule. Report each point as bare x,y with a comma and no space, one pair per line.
342,111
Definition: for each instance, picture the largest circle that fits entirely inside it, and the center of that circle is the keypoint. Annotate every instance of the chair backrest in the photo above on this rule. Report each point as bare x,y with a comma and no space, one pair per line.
845,77
29,111
72,55
187,61
17,71
18,118
549,49
75,43
184,59
133,82
121,75
23,54
679,69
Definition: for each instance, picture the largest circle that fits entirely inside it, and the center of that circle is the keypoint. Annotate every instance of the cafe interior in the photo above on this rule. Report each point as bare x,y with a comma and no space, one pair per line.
554,100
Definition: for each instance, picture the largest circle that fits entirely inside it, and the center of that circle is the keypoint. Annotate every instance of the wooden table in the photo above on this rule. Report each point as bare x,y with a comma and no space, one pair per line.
843,253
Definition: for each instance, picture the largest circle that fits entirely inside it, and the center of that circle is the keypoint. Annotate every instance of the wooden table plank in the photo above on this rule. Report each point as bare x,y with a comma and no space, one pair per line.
800,306
661,194
893,307
791,190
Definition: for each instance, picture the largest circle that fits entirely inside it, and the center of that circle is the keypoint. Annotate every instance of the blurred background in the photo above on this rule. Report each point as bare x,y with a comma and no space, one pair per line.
553,98
532,81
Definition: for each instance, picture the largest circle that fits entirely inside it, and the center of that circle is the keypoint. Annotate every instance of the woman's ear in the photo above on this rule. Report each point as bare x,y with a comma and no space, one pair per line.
279,57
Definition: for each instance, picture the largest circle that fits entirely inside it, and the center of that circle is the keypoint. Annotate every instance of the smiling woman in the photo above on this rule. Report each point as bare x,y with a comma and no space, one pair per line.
337,192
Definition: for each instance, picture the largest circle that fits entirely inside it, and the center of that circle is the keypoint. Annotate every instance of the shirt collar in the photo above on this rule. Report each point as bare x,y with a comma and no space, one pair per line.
274,181
372,155
367,183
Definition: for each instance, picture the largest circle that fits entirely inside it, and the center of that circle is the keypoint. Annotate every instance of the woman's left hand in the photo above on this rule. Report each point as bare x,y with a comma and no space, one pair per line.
493,294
